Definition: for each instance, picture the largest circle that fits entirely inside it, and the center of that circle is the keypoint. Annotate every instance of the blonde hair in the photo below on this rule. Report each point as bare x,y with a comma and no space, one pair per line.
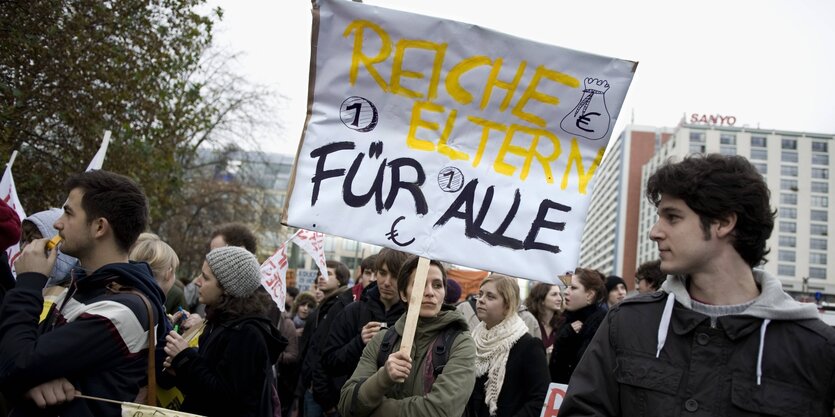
508,288
159,256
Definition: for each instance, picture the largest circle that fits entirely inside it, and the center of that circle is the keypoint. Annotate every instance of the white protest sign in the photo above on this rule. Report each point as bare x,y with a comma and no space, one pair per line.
450,141
305,279
274,275
553,400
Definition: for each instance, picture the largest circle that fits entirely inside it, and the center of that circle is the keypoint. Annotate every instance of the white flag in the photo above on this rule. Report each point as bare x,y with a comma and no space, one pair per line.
274,275
314,244
8,193
98,160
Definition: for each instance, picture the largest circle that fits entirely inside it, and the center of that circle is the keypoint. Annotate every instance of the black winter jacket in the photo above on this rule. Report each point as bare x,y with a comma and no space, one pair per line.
569,345
314,337
703,370
344,345
95,338
525,383
228,375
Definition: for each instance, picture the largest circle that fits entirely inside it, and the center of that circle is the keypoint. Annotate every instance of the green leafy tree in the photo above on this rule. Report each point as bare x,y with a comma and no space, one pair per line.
147,71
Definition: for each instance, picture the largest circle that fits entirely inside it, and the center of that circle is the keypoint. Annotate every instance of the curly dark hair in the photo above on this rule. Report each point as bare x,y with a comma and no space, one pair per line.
716,186
230,308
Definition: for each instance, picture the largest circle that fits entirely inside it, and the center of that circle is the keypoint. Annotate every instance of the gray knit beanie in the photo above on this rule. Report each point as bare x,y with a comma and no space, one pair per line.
236,269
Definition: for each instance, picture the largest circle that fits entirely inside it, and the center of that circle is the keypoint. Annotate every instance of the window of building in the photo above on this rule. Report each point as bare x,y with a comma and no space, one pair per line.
758,141
788,185
697,148
788,170
820,159
820,187
819,215
788,156
788,198
697,137
817,258
788,213
788,241
819,201
818,244
786,255
818,229
762,168
788,143
820,173
785,270
727,150
788,227
759,154
820,147
815,272
727,139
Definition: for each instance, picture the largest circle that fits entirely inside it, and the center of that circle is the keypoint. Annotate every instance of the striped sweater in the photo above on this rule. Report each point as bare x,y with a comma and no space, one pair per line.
96,339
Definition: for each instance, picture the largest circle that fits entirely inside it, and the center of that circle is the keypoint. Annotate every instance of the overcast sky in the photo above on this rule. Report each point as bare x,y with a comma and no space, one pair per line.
769,63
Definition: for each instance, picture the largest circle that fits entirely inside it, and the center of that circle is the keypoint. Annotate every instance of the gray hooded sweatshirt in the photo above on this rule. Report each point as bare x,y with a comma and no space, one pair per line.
64,264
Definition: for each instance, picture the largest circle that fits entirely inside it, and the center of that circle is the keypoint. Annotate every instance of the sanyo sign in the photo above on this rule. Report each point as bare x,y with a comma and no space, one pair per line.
712,119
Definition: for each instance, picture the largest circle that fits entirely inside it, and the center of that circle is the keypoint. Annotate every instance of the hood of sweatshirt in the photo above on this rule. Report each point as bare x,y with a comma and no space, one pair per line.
136,275
773,303
429,326
44,221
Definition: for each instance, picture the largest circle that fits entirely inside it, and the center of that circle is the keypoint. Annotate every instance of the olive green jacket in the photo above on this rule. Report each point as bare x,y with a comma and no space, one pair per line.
370,391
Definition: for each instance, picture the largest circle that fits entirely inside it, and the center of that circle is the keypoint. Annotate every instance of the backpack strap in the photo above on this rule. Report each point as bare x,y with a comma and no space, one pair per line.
389,339
441,347
115,287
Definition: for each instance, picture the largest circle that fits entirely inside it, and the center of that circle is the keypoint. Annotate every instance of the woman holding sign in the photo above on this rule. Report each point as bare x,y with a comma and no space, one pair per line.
434,379
511,370
230,374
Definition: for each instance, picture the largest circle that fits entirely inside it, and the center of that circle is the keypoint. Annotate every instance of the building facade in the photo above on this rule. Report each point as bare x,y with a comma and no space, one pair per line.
796,166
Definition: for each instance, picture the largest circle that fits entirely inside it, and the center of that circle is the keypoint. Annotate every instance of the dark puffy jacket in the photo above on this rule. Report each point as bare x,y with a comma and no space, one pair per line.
344,345
569,345
315,334
702,370
231,372
96,339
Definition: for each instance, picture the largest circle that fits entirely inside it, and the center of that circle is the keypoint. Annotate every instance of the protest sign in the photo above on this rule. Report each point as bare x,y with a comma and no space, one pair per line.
450,141
274,275
305,279
553,400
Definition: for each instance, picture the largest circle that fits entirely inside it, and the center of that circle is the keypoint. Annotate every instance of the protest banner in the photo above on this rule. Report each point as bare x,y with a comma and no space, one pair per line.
553,400
130,409
457,143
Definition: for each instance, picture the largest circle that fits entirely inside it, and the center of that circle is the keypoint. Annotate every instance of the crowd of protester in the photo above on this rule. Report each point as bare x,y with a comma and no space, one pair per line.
104,315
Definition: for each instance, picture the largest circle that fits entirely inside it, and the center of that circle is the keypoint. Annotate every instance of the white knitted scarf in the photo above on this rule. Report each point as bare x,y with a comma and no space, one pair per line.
492,348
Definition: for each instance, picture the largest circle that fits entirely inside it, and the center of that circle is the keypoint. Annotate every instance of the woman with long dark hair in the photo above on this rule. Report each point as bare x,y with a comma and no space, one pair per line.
583,315
230,373
545,302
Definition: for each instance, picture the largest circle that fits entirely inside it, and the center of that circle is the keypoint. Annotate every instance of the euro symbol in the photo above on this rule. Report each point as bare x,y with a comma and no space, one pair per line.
393,233
584,119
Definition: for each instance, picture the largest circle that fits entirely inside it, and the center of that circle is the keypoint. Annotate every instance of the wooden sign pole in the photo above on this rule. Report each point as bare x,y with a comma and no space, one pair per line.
415,301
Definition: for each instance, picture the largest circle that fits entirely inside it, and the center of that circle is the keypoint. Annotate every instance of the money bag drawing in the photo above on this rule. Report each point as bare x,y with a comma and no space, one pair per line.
590,118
